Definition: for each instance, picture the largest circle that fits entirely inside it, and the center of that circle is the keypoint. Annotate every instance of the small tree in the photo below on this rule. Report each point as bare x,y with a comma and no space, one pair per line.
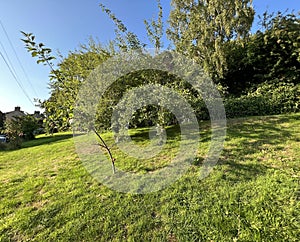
14,132
20,128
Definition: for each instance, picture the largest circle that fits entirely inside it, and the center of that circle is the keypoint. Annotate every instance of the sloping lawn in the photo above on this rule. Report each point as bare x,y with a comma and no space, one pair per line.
253,194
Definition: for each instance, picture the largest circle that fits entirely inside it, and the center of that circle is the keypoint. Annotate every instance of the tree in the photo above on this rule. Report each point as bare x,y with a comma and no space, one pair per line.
201,29
155,29
1,120
65,79
279,48
272,54
21,128
125,39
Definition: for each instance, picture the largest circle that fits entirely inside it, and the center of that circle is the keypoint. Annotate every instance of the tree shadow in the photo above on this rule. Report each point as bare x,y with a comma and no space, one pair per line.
140,135
241,172
172,132
255,134
46,140
248,142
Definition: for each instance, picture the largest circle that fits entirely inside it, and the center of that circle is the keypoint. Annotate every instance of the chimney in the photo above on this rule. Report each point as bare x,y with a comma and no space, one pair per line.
18,109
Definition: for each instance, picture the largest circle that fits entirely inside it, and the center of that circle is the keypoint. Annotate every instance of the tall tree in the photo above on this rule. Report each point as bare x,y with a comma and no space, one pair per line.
66,78
200,29
279,50
125,39
272,54
155,29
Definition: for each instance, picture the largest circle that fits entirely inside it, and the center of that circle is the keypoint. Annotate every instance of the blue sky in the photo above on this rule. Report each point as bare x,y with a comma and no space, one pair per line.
62,25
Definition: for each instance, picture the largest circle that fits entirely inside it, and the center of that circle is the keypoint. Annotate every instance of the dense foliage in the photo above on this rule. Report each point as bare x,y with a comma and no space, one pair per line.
201,29
19,129
269,56
66,79
73,70
266,99
257,74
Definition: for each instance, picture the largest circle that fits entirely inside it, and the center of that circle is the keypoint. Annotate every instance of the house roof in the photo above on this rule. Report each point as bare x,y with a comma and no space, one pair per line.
16,113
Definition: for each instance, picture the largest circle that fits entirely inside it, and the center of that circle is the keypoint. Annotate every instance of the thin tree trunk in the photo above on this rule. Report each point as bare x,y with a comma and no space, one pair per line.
104,145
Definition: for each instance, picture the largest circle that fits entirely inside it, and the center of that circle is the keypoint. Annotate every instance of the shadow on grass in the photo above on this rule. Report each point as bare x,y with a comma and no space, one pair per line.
172,133
250,142
240,172
256,134
140,135
46,140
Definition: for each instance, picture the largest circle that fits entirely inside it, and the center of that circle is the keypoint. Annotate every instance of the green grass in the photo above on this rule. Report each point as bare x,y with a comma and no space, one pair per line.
253,194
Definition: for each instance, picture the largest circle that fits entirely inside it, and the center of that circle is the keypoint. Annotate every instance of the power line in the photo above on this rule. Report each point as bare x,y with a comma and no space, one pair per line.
16,79
18,59
9,62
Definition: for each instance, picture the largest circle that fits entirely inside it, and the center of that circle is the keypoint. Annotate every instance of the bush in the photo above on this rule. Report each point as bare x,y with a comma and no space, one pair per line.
267,99
20,128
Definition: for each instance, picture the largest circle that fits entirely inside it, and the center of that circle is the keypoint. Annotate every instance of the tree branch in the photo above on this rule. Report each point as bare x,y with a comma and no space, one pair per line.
104,145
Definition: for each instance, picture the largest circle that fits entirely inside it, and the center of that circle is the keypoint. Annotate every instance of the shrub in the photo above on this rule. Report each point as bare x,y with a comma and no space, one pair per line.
267,99
20,128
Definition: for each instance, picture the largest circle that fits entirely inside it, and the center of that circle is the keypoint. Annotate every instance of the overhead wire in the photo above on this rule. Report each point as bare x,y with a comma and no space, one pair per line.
9,62
16,79
18,59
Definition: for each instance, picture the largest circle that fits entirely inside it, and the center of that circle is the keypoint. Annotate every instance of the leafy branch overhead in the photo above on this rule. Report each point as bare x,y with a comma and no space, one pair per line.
44,56
155,29
125,40
38,50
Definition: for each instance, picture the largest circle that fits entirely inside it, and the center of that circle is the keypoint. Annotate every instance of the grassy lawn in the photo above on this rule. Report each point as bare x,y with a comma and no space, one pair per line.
253,194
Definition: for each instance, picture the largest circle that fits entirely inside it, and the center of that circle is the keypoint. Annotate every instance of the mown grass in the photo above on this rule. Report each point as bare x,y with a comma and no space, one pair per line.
253,194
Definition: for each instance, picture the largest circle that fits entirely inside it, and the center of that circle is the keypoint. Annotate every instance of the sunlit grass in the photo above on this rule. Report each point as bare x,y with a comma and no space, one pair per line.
253,194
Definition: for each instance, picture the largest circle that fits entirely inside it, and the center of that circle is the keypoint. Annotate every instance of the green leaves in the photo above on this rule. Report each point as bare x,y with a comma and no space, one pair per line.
21,128
34,54
38,50
268,56
155,29
125,40
266,99
200,29
65,79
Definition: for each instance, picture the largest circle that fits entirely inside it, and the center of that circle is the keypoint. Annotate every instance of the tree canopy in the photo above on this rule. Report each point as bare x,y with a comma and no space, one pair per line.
215,34
272,54
202,28
66,78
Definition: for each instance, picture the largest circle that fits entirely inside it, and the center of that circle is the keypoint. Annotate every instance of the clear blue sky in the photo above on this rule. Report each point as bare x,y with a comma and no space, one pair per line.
64,24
